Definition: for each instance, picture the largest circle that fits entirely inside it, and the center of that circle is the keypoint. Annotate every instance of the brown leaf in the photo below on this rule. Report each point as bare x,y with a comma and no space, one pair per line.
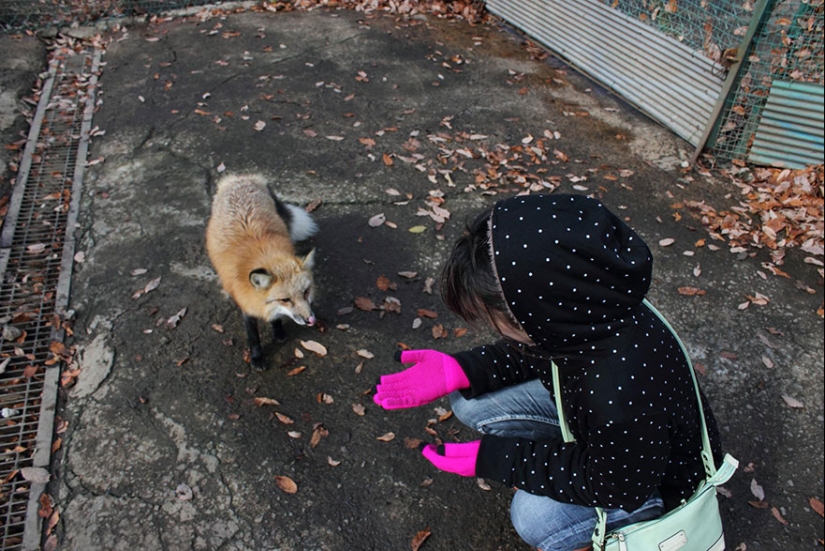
359,409
283,418
297,370
424,313
419,538
691,291
315,347
817,506
365,304
318,432
411,443
388,437
313,205
778,516
439,332
286,484
261,401
384,283
387,159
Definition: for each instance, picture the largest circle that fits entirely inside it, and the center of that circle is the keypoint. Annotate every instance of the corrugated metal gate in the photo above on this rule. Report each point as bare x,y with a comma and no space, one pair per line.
709,70
671,82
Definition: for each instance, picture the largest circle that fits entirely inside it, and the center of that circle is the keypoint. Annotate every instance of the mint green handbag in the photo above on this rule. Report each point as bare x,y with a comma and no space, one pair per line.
693,526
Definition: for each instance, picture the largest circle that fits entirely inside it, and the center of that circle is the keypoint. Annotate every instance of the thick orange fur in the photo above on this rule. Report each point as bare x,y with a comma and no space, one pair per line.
245,234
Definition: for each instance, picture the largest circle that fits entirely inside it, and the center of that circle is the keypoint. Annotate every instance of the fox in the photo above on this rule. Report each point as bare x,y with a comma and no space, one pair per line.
250,240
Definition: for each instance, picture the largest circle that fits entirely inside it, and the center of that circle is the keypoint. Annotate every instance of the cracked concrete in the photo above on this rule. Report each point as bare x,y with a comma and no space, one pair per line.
167,449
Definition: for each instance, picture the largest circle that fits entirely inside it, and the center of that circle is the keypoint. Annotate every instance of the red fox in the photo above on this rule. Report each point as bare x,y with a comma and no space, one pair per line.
250,240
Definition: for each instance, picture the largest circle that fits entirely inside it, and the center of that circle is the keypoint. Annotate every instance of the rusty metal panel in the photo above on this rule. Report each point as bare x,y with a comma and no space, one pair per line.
791,130
671,82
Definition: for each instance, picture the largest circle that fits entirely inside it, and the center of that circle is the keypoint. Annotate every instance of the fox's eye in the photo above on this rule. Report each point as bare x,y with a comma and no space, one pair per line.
306,293
285,301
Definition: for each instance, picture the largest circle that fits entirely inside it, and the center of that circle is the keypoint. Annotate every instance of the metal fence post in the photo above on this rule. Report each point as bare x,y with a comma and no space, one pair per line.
762,11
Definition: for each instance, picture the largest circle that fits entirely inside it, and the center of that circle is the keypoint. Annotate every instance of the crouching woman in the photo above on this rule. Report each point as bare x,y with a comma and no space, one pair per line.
563,280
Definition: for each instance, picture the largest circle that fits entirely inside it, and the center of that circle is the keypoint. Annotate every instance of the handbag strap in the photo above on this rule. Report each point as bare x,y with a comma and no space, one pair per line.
714,476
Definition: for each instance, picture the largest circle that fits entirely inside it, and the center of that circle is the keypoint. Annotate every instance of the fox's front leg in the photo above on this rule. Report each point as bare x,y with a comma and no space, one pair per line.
256,352
278,332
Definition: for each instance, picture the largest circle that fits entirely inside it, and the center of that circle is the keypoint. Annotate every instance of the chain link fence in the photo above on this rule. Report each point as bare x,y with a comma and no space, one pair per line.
787,43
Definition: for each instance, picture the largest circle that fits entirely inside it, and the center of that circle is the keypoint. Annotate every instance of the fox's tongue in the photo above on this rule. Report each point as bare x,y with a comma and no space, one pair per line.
311,321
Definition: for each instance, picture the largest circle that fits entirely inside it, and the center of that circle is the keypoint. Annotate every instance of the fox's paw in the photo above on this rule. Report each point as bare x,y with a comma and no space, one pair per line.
256,358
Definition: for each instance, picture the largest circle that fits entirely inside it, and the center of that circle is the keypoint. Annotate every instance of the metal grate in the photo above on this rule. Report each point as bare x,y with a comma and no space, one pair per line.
36,251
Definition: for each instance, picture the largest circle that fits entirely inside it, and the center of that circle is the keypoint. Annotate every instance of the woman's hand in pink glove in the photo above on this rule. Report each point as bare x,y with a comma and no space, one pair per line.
434,375
453,458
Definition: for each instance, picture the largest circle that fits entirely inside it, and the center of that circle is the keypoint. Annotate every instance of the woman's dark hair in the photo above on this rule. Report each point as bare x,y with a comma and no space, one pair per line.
469,287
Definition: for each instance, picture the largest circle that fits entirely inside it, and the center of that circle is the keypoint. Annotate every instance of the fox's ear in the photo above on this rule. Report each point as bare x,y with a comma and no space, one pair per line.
309,260
260,278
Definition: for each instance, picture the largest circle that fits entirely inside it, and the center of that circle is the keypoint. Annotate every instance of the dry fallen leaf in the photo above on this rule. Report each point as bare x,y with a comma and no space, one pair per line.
315,347
359,409
778,516
667,242
419,538
364,353
365,304
35,474
377,220
757,490
261,401
286,484
817,506
793,402
317,433
388,437
691,291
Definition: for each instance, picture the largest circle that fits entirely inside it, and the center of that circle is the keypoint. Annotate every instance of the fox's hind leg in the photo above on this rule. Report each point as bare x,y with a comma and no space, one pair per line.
256,352
278,332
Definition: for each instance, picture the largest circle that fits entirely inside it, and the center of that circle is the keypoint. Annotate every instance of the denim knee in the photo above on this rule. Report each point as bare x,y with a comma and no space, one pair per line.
549,525
466,410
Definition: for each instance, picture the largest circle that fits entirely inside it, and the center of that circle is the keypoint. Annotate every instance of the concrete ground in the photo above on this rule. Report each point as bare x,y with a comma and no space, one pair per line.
171,443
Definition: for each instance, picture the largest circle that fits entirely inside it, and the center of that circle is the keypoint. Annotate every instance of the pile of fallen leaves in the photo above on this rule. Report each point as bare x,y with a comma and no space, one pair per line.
471,10
779,209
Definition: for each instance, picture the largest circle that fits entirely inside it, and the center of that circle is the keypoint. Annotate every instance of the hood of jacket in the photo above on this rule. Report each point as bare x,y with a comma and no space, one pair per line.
572,273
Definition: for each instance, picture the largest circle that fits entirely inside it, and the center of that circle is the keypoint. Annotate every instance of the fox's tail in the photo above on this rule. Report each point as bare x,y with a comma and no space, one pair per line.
301,224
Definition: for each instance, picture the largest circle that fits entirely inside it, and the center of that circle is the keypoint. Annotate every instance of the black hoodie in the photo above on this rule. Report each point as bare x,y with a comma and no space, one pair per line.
574,276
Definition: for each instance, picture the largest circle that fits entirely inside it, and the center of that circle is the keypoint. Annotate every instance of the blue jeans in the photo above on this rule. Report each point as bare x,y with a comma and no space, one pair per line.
527,411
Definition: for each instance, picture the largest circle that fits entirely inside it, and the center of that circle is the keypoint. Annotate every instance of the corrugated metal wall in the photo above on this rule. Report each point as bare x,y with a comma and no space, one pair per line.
672,83
791,131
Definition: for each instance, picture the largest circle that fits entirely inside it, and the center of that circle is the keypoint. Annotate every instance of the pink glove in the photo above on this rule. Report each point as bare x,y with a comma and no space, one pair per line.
454,458
434,375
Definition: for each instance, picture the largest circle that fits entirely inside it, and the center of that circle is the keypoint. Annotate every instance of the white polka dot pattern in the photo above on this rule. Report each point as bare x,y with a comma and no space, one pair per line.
574,277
